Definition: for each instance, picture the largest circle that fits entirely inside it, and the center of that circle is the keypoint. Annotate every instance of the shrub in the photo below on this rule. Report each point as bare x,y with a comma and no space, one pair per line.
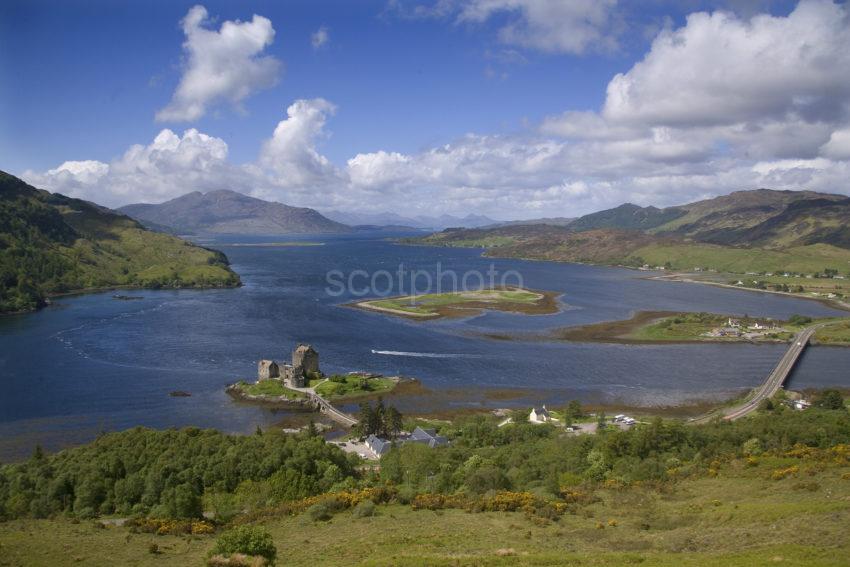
320,511
364,509
247,540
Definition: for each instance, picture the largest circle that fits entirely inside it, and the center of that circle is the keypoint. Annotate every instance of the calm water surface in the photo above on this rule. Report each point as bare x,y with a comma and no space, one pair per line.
91,363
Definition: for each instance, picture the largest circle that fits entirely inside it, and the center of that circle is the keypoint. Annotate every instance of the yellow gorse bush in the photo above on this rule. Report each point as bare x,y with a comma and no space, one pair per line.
171,526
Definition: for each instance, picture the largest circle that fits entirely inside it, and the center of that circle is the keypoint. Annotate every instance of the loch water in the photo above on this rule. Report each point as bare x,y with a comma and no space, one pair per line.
91,363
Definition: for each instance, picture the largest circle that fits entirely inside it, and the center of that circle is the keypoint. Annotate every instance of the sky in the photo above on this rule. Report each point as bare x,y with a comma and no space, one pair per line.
511,108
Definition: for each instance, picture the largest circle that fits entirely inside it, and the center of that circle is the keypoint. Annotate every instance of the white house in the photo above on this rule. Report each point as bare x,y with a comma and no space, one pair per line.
539,415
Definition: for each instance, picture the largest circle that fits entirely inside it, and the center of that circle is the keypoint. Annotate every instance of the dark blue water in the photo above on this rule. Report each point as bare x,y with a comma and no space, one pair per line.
92,363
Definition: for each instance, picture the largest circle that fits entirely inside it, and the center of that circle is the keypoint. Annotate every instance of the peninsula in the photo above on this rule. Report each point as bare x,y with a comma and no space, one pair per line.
672,327
464,303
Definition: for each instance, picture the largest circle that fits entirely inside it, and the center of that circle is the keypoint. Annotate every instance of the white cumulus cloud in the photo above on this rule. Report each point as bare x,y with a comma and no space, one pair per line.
565,26
224,65
720,104
320,37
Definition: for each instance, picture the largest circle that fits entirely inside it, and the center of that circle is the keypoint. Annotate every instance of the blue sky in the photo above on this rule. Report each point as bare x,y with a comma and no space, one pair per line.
82,82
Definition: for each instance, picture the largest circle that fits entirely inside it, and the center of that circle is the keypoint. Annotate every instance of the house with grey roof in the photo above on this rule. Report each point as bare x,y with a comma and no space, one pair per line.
427,437
378,445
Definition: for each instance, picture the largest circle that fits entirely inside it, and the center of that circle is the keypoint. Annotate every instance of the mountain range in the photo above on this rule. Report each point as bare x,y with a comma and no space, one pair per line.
50,243
418,221
229,212
759,229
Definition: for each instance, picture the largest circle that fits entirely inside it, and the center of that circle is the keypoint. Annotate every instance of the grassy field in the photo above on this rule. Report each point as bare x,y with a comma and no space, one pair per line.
801,259
835,334
351,386
741,517
273,388
694,326
435,305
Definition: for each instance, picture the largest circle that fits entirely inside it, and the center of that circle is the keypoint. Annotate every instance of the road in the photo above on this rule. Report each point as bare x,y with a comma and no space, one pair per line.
773,382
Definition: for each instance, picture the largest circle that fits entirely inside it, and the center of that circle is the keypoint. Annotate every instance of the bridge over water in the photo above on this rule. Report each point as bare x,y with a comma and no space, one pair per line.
774,381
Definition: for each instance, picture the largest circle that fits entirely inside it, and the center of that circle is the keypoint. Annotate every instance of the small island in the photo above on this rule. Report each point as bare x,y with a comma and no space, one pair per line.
302,385
464,303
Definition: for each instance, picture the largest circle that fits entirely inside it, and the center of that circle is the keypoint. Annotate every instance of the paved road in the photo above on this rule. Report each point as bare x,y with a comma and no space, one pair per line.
774,381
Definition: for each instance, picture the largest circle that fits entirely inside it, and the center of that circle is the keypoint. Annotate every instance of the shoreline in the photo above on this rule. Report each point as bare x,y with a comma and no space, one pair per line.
618,331
673,276
682,277
302,400
547,304
92,290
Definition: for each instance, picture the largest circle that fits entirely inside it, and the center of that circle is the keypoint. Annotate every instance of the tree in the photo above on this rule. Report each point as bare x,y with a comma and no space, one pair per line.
394,420
830,400
799,320
365,419
574,409
600,421
248,540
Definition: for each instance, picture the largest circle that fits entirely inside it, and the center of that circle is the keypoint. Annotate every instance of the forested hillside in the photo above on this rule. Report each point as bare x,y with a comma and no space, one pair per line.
50,243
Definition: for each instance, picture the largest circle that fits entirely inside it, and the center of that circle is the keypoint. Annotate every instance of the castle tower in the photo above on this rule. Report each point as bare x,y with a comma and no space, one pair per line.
306,358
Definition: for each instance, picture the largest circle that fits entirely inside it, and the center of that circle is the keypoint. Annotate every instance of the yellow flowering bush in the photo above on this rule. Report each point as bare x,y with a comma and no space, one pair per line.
779,474
171,527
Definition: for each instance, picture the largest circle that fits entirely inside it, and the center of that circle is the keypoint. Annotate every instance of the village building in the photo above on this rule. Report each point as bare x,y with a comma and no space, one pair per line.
380,446
539,415
427,437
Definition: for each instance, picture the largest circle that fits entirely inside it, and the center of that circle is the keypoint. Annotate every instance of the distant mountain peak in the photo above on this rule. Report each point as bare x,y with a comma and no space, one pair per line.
226,211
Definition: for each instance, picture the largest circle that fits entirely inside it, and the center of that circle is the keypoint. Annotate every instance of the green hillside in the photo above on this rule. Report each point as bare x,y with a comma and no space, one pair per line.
51,244
628,216
746,231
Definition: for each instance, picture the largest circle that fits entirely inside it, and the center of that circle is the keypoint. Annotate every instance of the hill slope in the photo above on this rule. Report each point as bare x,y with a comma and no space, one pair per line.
628,216
50,243
760,230
731,219
229,212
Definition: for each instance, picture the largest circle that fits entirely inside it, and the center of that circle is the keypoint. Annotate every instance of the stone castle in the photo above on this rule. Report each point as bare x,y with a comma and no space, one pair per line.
305,365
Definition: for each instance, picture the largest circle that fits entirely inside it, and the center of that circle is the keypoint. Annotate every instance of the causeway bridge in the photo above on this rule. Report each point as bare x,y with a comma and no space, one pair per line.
329,410
771,385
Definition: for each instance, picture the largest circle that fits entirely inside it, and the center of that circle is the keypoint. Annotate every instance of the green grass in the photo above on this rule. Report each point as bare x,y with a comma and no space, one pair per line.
272,388
346,386
802,259
739,518
429,305
835,334
694,326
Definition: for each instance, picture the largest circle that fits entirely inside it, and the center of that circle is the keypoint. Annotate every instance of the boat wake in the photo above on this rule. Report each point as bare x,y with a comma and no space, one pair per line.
424,354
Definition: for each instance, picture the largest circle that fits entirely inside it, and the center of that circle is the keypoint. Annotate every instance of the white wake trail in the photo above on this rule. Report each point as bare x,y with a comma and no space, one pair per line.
423,354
